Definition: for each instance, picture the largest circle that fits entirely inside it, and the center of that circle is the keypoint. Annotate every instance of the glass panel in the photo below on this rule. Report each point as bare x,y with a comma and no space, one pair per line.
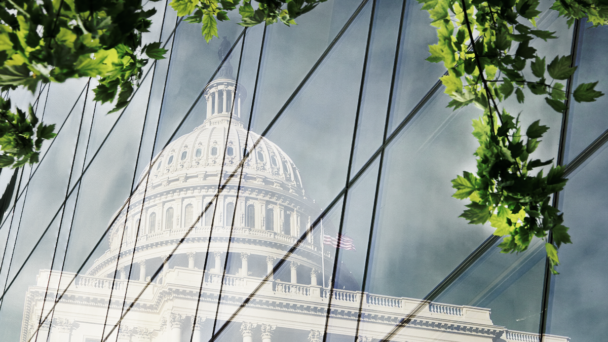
577,302
285,64
587,120
376,91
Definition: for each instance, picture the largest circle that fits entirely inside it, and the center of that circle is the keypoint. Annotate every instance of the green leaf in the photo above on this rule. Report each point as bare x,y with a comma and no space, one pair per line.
558,106
477,213
222,16
506,89
154,51
538,67
560,68
536,130
45,131
464,186
6,160
500,222
560,235
520,95
246,10
538,163
552,253
525,51
209,27
184,7
557,92
436,54
544,35
585,92
452,83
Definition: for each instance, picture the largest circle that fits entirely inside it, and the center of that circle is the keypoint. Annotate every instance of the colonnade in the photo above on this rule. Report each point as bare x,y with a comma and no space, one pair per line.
217,268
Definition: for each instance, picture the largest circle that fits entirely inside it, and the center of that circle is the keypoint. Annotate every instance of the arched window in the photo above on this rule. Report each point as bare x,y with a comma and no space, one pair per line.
199,152
170,160
184,154
274,161
287,223
152,223
188,215
269,219
230,151
286,171
261,156
250,216
214,151
229,100
245,152
159,164
229,214
169,219
208,214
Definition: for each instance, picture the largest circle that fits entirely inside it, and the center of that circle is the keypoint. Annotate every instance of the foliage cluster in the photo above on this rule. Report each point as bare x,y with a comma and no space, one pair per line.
269,12
485,47
55,40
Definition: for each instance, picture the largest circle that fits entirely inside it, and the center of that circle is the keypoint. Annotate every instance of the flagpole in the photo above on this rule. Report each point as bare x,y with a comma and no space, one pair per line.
322,254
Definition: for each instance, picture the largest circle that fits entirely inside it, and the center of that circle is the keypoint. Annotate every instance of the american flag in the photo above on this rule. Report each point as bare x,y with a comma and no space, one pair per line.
342,241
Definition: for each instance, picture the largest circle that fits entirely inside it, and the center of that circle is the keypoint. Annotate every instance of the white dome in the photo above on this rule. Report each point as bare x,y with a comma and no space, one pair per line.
202,152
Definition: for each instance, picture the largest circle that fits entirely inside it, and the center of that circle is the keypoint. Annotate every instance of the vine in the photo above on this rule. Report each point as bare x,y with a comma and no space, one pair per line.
485,47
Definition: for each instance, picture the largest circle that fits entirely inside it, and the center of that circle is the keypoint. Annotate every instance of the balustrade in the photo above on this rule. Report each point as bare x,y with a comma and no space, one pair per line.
519,336
445,309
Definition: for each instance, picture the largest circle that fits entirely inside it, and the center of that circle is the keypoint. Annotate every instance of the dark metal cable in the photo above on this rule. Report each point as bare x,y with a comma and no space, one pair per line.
348,172
236,201
128,204
67,187
387,122
151,157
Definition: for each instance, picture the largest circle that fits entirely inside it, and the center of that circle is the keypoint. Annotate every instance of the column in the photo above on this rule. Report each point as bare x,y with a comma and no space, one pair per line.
362,338
313,277
246,331
244,264
123,274
217,268
142,270
267,331
191,260
269,267
215,95
315,336
175,324
197,336
226,110
294,272
208,99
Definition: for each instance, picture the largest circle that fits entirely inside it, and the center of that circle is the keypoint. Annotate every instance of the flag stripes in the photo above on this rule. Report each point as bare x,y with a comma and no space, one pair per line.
342,241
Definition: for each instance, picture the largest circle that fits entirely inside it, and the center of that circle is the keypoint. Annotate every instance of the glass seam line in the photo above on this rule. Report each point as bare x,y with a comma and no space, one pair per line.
381,162
219,297
348,172
84,107
76,102
244,157
241,39
95,155
133,181
151,157
560,160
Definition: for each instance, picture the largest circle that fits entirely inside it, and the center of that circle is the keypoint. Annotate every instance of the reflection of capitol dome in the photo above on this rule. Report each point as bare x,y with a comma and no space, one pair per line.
223,260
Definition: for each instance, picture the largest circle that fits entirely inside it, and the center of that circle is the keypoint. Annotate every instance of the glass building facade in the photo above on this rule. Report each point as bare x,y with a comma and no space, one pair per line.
293,183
